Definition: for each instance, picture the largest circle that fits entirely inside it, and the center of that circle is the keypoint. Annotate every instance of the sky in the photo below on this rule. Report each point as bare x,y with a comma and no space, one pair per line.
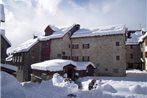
25,18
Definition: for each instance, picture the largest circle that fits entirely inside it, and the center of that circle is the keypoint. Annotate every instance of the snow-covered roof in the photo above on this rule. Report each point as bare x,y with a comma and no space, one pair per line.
54,28
52,65
134,38
56,34
83,65
142,37
2,33
58,64
2,14
101,31
59,33
24,47
8,66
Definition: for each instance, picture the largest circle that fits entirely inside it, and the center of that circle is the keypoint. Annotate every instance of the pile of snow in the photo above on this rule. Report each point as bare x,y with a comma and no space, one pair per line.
107,87
60,82
57,80
10,88
58,64
138,89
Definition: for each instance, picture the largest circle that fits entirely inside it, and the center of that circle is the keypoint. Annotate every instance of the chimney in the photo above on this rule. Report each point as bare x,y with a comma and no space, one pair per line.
35,36
48,31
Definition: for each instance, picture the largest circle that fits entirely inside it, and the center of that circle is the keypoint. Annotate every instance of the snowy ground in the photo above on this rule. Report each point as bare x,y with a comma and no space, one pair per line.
134,85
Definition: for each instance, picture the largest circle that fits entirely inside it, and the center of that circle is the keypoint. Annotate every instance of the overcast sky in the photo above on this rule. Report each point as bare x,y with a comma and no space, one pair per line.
27,17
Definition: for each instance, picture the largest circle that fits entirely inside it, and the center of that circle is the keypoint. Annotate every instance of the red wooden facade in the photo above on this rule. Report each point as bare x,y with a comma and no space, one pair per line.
45,50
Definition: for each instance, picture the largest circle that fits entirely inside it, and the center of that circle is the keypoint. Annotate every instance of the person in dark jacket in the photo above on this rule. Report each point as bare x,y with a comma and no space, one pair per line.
91,84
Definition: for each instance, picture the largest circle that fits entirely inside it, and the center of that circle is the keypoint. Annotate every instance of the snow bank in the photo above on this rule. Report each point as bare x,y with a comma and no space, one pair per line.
57,80
60,82
108,88
10,88
138,89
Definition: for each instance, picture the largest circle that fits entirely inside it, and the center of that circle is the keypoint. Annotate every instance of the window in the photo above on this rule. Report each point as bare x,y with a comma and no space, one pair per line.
85,58
45,44
115,70
63,52
65,57
145,54
131,47
106,69
75,58
131,56
59,55
117,57
86,46
117,43
75,46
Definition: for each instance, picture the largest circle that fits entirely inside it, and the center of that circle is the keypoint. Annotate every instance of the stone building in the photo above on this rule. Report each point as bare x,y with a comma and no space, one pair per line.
23,56
32,51
133,51
105,47
143,45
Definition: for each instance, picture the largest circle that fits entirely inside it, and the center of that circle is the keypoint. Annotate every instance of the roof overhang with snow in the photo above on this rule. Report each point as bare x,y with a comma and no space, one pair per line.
26,46
58,64
101,31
